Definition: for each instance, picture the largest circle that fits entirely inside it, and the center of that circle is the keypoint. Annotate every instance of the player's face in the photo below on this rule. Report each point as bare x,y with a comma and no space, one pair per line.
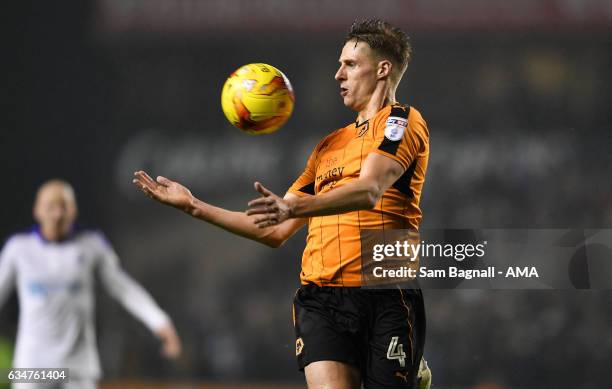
357,74
55,211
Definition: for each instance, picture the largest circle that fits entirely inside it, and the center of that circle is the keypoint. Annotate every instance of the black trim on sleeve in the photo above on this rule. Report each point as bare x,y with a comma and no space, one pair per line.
308,189
403,183
388,145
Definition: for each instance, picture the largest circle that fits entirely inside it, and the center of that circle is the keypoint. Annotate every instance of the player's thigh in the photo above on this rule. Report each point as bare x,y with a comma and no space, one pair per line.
327,327
332,375
397,342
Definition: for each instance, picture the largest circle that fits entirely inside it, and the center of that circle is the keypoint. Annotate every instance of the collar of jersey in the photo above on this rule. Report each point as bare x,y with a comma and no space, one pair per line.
71,234
357,124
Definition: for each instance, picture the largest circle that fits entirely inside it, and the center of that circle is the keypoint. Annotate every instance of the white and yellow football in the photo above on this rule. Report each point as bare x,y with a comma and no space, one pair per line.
257,98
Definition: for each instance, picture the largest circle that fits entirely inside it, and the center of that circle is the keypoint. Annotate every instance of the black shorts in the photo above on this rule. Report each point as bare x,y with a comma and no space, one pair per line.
380,331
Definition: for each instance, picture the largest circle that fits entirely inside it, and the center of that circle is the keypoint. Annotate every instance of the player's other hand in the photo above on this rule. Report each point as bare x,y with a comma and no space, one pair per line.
171,343
164,190
269,209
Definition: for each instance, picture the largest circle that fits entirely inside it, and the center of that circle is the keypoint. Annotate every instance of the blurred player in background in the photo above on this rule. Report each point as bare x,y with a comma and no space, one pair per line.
366,175
53,269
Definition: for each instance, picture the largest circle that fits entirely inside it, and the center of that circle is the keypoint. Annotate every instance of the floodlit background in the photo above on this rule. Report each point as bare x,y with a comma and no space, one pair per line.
518,100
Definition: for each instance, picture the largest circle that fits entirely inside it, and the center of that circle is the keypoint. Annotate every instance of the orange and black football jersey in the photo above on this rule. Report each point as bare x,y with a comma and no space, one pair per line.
332,256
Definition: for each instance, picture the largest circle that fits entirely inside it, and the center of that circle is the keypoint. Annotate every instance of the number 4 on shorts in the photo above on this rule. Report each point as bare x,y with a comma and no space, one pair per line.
396,351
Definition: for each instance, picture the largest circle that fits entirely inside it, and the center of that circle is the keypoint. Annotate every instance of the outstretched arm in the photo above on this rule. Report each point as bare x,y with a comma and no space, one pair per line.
377,175
176,195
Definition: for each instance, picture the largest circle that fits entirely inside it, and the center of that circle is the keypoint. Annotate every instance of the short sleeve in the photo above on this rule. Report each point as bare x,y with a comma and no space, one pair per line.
401,135
305,183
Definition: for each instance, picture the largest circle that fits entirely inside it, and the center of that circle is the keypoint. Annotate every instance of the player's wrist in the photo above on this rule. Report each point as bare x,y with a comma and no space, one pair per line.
292,208
192,206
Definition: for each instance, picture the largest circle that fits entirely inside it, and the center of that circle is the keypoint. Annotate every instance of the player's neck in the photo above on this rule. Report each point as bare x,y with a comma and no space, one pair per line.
52,234
383,95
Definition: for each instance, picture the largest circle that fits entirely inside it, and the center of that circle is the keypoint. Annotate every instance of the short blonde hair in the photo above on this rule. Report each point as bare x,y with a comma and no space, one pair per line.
388,41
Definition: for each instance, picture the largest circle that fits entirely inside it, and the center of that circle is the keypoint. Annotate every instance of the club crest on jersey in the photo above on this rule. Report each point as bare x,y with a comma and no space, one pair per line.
394,130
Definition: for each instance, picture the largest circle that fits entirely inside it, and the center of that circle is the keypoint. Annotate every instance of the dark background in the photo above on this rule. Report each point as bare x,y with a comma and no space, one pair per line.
518,103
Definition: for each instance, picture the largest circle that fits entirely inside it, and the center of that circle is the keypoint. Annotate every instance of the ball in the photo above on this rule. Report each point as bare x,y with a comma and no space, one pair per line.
257,98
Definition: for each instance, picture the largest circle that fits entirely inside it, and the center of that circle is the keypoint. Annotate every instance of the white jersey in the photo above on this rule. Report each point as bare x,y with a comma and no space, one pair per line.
55,287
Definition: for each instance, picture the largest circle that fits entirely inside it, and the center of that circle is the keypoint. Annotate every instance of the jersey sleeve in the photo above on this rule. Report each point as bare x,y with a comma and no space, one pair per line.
305,183
401,135
7,270
125,289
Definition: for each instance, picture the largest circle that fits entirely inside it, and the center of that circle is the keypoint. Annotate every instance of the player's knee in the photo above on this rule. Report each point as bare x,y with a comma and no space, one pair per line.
332,375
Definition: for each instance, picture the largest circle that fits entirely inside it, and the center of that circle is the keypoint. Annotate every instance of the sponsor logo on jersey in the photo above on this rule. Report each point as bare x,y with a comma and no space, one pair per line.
44,289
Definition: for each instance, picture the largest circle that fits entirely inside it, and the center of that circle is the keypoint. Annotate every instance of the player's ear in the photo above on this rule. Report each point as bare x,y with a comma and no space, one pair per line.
384,69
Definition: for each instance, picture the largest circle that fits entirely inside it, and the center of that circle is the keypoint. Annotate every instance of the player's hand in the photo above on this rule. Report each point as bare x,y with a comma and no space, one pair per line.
171,343
269,209
164,190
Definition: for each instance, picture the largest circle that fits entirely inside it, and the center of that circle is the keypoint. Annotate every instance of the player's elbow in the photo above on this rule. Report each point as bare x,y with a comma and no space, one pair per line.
370,196
273,240
370,201
273,243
